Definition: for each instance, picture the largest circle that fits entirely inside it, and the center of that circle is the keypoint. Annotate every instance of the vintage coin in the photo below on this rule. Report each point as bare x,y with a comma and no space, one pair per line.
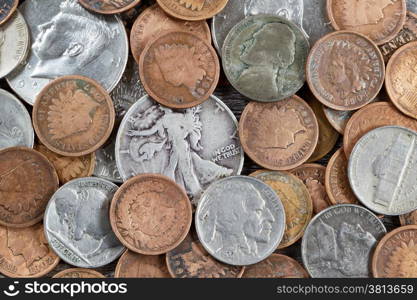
66,167
14,43
73,115
7,8
336,180
78,273
24,252
77,223
370,117
150,214
240,220
280,135
153,21
380,20
264,58
409,219
401,82
296,199
184,145
396,254
15,123
313,176
412,5
276,266
179,69
345,70
67,39
135,265
338,118
27,182
109,6
105,164
191,260
192,10
338,242
385,180
315,21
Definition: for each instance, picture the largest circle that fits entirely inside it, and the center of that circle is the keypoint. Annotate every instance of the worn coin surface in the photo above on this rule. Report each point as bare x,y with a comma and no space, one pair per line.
27,182
192,10
380,20
7,8
280,135
339,241
315,20
67,39
338,118
150,214
396,254
135,265
412,6
385,181
109,6
409,219
73,116
264,58
78,273
15,122
345,70
184,145
105,164
240,220
24,252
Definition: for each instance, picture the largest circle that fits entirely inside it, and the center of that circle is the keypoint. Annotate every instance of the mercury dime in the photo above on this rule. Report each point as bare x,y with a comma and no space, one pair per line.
409,219
69,40
339,241
105,165
77,223
135,265
192,10
385,181
240,220
276,266
78,273
109,6
264,58
7,8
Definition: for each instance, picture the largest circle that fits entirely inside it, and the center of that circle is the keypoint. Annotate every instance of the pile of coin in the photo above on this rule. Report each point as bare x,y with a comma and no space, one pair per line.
129,156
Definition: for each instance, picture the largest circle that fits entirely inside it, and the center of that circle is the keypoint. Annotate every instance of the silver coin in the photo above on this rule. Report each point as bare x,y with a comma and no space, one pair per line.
315,21
15,123
194,147
240,220
412,6
14,43
338,118
339,241
77,223
105,166
264,58
69,40
382,170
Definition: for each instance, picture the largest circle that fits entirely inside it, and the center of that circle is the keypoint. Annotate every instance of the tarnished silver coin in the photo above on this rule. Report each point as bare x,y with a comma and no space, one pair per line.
264,58
382,170
14,43
105,166
338,118
67,39
339,241
77,223
185,145
316,23
240,220
15,123
412,6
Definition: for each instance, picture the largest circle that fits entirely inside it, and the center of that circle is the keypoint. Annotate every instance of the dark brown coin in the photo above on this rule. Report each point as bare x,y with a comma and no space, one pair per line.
409,219
73,116
276,266
7,8
192,10
135,265
27,182
109,6
78,273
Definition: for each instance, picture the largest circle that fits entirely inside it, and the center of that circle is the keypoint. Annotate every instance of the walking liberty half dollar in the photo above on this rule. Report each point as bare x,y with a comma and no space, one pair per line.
385,181
240,220
339,241
77,223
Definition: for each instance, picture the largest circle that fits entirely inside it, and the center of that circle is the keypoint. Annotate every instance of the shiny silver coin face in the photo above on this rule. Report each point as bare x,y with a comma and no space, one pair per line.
15,123
77,223
105,166
240,220
67,39
339,241
382,170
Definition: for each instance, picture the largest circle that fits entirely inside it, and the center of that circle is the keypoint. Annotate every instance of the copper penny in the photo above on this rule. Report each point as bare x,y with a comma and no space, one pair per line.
380,20
135,265
336,180
313,176
7,8
192,10
179,69
396,254
27,182
109,6
73,116
153,21
150,214
279,135
276,266
24,252
345,70
370,117
401,79
409,219
191,260
78,273
69,168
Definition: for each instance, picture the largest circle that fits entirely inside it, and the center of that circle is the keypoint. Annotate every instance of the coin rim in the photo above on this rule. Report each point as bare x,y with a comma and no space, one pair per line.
85,270
206,16
11,12
334,124
109,12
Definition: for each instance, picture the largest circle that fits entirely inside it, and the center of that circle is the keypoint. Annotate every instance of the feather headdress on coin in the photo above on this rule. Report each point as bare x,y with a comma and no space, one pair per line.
193,4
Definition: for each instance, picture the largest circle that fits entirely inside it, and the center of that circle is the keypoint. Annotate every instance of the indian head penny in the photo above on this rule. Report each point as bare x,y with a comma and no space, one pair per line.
78,273
135,265
409,219
109,6
7,8
192,10
276,266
